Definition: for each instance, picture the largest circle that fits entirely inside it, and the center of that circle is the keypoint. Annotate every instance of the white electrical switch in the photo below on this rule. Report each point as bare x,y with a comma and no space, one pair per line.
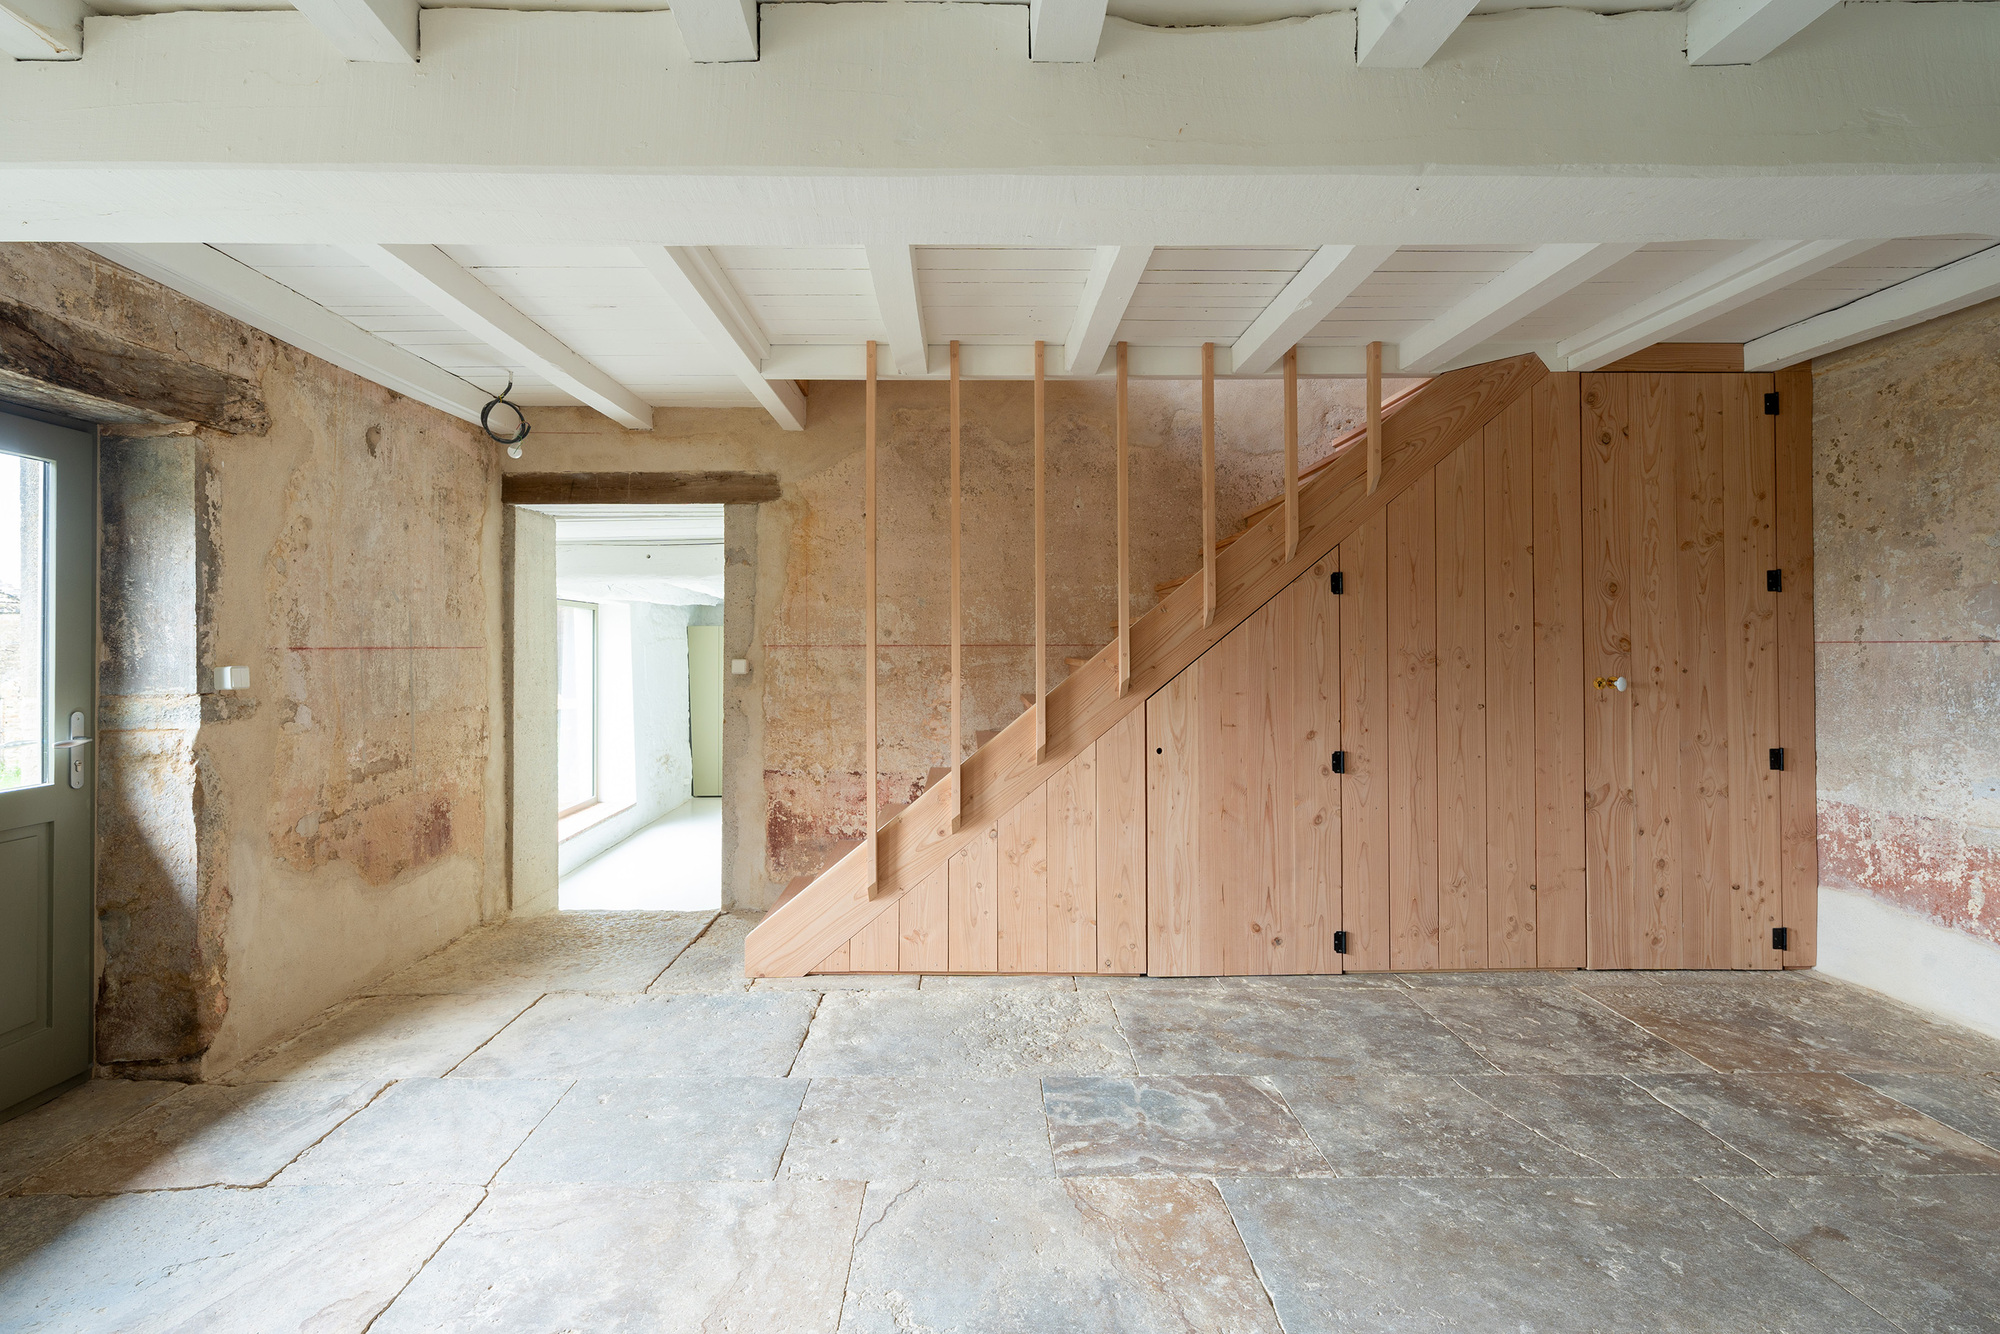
232,678
739,666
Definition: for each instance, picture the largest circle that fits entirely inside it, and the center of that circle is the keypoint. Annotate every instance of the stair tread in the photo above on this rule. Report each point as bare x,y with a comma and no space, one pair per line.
799,882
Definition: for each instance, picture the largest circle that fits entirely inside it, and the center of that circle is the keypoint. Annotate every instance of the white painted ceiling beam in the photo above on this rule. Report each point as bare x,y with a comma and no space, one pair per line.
376,32
431,276
1114,277
1016,361
1526,287
239,291
1967,282
1405,34
1742,32
703,293
1756,271
1065,30
897,119
1327,279
42,29
718,31
893,270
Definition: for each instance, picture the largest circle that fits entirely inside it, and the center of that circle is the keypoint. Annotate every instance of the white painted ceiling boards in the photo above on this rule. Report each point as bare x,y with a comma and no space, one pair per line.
706,206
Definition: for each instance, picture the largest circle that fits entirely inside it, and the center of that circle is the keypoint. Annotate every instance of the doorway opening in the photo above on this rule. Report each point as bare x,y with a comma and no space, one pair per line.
638,703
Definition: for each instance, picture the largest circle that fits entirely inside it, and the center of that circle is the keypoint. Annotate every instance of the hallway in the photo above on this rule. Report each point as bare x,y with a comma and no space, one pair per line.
593,1121
672,865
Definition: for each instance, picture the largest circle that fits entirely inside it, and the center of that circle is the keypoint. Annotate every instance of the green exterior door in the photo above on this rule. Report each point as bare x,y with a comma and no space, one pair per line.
48,777
705,708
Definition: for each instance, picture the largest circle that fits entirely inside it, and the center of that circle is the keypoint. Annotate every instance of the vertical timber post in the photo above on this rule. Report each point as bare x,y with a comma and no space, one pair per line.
957,633
1041,557
1291,453
1124,530
1374,417
1207,484
868,585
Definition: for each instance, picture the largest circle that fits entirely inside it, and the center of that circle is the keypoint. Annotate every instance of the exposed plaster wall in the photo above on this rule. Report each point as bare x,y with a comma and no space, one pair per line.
1906,514
263,853
792,740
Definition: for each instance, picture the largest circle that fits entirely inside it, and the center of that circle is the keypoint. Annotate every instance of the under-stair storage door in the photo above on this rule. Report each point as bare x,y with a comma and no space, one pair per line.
1243,854
1681,796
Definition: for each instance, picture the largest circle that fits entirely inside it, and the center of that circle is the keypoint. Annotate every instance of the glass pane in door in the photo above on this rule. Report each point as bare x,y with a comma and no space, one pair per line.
24,665
576,705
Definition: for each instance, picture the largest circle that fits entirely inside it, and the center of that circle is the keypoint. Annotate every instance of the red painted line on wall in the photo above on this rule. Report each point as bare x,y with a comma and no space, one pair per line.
1907,641
384,648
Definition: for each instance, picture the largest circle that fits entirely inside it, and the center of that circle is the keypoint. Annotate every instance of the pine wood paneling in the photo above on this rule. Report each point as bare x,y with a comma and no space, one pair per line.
1698,357
1607,641
1702,867
1023,906
1306,944
1461,704
1655,435
1798,785
1561,900
838,961
1121,847
1496,810
1364,735
1072,866
1681,571
1749,452
878,946
974,870
926,925
1412,729
1173,825
1508,444
1250,884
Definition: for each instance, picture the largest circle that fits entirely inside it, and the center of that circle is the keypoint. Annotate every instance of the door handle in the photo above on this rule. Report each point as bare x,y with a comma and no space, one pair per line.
1612,683
75,746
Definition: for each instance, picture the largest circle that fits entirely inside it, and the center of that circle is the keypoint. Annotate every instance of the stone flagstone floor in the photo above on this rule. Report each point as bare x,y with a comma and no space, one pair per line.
592,1122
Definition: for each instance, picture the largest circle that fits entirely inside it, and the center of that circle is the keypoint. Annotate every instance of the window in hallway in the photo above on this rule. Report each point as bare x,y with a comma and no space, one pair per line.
576,706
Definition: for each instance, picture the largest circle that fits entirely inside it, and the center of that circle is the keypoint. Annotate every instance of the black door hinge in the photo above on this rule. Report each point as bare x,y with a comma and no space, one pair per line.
1774,581
1340,942
1781,938
1778,757
1340,761
1770,405
1339,583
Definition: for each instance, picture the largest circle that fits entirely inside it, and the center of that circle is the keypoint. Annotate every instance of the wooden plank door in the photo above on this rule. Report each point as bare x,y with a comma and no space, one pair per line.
1681,804
1243,849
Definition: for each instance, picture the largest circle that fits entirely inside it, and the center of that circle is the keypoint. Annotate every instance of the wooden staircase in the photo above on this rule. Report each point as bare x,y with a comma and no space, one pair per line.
819,916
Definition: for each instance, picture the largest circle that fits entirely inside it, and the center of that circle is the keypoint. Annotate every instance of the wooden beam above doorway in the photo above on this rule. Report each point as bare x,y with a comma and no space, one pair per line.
637,488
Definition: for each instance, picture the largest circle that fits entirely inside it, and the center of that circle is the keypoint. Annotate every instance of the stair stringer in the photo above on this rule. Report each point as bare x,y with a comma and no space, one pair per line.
1252,570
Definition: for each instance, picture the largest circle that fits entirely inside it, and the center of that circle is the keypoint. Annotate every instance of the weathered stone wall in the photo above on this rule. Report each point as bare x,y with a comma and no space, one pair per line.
263,853
1906,543
794,723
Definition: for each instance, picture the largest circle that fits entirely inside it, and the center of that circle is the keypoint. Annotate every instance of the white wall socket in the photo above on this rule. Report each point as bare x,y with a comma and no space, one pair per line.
232,678
739,666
